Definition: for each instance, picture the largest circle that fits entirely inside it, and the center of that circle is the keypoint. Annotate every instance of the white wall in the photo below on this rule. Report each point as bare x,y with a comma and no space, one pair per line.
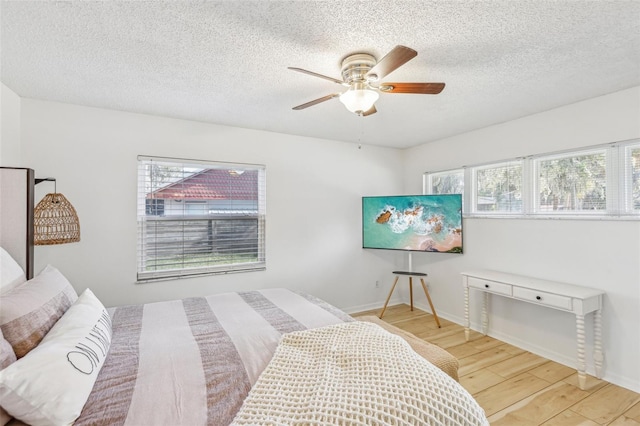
314,188
313,230
602,254
9,128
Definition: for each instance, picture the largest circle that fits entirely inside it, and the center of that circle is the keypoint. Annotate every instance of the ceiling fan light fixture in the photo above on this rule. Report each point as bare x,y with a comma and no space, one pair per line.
359,98
361,73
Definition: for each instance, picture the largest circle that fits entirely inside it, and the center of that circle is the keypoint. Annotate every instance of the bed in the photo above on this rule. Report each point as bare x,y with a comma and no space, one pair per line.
271,356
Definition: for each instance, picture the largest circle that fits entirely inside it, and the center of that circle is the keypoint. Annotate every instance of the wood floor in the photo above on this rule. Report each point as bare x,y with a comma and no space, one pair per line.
516,387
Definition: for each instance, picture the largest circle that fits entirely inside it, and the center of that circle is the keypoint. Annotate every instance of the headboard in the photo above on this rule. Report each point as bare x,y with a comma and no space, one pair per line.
16,215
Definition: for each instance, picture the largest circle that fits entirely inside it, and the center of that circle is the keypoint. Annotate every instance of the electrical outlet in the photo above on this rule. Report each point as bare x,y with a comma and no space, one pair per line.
377,283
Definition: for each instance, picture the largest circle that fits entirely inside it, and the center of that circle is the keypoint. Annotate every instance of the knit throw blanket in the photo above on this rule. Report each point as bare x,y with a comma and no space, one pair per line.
355,374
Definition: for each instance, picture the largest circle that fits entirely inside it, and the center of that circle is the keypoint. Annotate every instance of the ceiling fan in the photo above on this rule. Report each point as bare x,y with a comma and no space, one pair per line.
361,73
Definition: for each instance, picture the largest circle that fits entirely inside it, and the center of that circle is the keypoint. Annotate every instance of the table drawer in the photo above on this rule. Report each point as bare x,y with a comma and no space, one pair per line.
490,286
548,299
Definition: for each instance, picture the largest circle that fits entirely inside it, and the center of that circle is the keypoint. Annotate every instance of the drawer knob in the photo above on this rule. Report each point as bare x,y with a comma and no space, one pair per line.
486,286
538,297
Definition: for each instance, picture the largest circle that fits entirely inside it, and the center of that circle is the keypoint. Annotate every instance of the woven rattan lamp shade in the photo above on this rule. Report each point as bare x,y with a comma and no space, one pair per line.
55,221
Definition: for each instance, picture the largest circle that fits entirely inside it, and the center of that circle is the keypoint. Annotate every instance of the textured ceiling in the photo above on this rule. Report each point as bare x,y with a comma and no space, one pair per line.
226,61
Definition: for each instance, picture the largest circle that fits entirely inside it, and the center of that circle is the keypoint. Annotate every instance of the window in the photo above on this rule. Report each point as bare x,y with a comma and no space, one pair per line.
598,182
571,182
498,188
197,217
632,178
154,207
448,182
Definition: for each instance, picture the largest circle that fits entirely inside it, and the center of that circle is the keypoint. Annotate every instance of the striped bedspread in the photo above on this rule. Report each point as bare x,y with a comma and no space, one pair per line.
193,361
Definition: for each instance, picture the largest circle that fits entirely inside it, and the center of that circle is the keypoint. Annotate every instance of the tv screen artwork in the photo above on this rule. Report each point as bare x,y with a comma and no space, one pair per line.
431,223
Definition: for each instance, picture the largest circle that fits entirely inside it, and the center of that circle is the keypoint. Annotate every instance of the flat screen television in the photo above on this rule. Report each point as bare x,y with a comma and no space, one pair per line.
428,223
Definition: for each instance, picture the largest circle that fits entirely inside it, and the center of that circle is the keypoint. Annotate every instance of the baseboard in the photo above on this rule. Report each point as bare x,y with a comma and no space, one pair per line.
371,306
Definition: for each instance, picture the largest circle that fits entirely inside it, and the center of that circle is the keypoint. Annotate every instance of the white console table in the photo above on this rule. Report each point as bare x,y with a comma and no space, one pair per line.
565,297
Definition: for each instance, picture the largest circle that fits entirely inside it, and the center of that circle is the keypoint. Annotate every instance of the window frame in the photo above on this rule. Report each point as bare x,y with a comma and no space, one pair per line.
473,207
627,178
144,219
427,184
618,185
429,177
535,192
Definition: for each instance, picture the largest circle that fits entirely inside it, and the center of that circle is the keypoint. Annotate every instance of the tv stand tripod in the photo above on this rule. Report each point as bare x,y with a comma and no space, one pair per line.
420,275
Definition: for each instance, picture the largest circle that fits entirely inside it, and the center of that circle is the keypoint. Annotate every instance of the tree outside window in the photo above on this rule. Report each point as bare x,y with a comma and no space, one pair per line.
572,183
499,188
635,178
449,182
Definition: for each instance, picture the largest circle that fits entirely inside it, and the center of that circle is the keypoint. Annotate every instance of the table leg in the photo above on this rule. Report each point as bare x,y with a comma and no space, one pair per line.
598,356
388,297
466,313
433,310
485,313
582,373
411,291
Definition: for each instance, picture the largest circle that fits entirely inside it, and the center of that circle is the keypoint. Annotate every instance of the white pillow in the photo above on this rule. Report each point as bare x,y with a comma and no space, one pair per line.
7,357
11,274
31,309
51,384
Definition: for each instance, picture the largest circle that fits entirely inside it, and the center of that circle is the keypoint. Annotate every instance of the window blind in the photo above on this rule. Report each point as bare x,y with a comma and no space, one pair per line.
572,182
197,217
599,182
498,188
632,178
447,182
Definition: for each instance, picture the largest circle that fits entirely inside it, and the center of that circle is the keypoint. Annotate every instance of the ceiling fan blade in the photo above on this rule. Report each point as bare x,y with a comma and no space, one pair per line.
315,74
393,60
421,88
316,101
370,111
